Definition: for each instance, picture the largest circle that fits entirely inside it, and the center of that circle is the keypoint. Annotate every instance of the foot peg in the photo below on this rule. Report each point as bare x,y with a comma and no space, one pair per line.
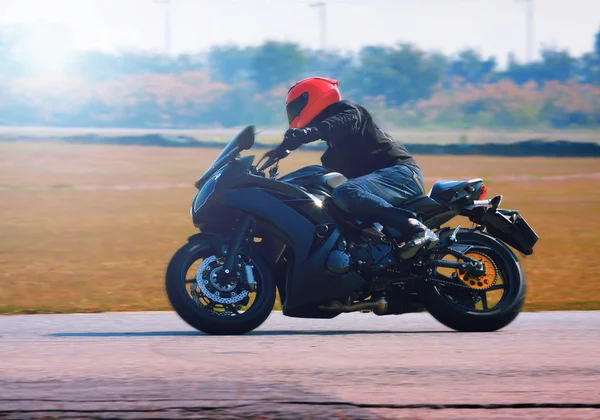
426,240
378,307
452,237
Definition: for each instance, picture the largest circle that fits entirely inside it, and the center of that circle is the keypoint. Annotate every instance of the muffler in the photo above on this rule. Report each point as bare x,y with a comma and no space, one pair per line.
378,307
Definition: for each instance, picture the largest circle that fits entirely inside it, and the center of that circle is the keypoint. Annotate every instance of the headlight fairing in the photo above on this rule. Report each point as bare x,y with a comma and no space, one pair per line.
204,193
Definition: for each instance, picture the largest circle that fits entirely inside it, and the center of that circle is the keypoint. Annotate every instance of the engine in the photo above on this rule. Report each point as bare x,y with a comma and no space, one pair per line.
338,261
369,254
362,255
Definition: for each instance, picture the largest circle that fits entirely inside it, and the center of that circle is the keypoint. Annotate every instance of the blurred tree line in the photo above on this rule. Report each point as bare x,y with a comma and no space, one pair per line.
230,85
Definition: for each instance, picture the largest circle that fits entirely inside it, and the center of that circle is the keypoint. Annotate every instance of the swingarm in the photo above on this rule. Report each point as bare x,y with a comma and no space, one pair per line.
465,263
471,266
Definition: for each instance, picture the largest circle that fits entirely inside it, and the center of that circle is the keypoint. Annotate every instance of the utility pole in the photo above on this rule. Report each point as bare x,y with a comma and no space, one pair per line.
529,29
167,29
323,6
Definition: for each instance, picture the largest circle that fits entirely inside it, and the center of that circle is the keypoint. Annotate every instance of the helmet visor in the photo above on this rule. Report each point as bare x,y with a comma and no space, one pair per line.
295,107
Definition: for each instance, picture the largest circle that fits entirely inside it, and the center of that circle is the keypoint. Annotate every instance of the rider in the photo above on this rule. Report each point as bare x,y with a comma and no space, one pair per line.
382,174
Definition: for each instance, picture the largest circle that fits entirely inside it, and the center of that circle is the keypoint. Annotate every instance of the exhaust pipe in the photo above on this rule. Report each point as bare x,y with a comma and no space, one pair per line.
378,307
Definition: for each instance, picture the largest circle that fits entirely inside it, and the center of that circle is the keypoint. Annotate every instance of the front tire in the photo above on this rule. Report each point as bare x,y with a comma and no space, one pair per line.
202,319
456,307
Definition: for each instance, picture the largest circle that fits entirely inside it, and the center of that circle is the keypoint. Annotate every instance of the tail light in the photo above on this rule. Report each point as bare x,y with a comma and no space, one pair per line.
483,192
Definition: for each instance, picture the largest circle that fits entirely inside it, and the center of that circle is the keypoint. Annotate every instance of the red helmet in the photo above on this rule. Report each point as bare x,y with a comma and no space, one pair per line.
308,98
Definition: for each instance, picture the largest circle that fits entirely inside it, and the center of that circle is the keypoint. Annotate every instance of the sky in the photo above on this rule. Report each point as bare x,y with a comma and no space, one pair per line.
494,27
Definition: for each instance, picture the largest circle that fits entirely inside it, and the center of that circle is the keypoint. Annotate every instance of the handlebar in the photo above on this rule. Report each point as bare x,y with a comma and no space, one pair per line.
272,160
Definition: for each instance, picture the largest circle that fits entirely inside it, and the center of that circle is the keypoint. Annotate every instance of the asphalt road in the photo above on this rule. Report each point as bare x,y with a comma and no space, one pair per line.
152,365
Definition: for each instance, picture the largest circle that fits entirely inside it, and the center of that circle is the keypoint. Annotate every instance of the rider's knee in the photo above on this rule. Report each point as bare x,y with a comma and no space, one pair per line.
344,196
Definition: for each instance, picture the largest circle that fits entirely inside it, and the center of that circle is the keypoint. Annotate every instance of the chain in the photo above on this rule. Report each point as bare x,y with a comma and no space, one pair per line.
449,283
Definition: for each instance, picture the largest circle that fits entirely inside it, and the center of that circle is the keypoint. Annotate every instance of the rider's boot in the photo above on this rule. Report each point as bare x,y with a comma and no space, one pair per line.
416,237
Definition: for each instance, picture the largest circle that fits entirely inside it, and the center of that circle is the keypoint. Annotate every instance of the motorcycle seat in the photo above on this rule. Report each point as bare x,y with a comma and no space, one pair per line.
444,190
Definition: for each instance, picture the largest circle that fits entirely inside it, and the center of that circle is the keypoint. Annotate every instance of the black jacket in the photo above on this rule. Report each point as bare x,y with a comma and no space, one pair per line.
356,145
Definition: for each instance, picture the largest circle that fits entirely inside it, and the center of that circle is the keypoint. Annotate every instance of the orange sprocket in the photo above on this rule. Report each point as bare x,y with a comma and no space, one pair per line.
484,281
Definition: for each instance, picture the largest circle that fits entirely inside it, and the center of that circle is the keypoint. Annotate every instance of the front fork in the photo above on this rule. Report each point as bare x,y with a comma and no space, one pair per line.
243,231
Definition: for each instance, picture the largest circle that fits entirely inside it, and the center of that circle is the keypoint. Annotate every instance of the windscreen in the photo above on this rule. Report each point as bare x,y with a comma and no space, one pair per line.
243,141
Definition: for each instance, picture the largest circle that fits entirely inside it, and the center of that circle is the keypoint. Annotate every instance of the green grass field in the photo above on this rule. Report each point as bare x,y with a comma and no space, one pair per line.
92,228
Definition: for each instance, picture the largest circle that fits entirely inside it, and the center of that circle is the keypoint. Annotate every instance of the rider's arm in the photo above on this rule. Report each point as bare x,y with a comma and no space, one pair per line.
340,125
340,121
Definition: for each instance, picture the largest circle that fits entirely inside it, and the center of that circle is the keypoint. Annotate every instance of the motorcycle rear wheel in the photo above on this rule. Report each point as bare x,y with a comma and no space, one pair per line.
469,309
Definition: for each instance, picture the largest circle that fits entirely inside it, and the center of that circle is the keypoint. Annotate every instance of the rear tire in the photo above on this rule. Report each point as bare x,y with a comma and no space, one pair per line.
200,318
459,318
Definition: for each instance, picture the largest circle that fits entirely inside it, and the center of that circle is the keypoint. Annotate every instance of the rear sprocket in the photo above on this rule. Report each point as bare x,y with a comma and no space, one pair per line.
484,281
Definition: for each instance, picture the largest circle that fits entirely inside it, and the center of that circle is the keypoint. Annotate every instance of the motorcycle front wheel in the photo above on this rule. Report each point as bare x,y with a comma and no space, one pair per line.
213,303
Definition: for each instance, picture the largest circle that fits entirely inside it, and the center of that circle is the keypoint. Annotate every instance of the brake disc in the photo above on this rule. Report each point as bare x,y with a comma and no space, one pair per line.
208,282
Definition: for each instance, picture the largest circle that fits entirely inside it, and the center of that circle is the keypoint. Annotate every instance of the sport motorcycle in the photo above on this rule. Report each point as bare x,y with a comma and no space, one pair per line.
263,237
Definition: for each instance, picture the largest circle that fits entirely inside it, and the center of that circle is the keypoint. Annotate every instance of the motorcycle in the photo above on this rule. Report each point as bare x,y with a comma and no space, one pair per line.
260,234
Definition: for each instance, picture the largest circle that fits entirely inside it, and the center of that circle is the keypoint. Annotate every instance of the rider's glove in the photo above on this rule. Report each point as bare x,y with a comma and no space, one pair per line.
276,153
296,137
